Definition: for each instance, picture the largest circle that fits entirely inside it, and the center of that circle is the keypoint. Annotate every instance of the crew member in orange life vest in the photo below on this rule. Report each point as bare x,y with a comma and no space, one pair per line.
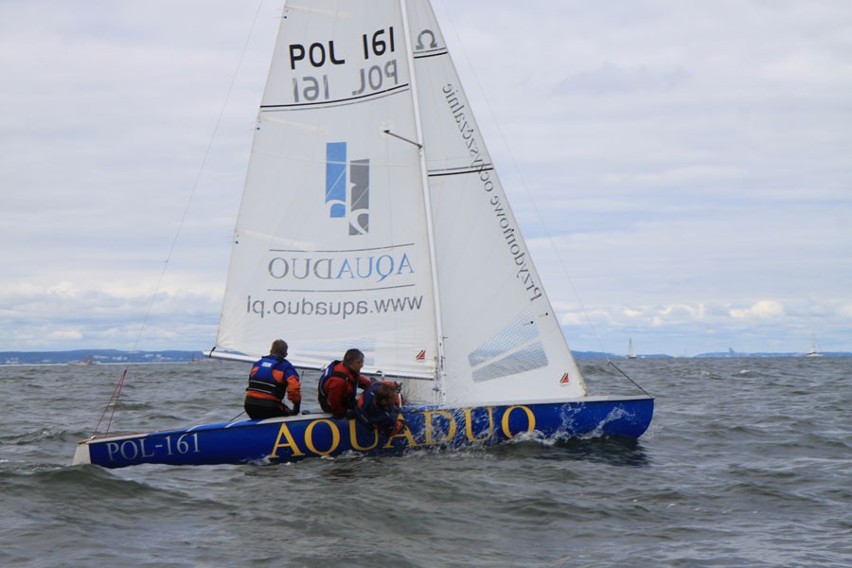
379,408
337,386
270,379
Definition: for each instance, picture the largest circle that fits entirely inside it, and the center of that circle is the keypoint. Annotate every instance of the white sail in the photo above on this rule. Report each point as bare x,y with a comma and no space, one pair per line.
330,249
373,218
502,339
814,352
631,353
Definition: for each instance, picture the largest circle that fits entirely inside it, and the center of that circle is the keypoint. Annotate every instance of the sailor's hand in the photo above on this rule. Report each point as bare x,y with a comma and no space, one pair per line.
398,426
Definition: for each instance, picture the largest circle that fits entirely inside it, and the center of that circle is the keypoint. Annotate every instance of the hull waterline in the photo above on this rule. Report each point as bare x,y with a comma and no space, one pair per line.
317,435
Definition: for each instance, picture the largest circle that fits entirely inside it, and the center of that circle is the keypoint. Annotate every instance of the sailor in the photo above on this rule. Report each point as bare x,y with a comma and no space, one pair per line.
378,408
339,382
270,379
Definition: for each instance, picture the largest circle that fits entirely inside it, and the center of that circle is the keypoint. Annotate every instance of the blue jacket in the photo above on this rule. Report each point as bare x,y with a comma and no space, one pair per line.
374,416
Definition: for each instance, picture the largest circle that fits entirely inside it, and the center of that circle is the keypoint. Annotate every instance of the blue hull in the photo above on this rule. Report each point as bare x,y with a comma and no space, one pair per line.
294,438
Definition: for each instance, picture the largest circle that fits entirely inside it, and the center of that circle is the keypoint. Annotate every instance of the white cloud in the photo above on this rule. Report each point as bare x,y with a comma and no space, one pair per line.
610,78
689,162
678,313
65,335
763,309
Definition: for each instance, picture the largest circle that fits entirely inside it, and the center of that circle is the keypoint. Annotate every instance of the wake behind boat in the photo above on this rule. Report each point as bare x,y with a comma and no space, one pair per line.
372,217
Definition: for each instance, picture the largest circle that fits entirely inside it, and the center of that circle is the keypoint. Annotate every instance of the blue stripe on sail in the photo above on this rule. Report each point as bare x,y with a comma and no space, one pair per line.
335,179
519,331
527,359
359,175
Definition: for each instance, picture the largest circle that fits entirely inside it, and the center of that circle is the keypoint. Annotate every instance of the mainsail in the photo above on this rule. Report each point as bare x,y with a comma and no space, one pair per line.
373,218
331,247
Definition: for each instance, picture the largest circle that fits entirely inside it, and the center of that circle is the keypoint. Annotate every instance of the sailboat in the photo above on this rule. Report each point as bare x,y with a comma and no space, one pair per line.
372,217
631,354
814,352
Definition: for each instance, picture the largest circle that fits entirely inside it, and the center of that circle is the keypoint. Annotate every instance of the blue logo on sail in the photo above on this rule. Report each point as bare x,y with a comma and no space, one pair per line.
347,188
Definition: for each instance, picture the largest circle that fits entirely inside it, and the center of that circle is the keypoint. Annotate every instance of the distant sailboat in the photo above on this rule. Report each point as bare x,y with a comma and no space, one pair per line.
372,217
631,354
815,351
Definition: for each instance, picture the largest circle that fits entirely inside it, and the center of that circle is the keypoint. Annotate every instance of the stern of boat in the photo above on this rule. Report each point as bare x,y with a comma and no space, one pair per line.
81,454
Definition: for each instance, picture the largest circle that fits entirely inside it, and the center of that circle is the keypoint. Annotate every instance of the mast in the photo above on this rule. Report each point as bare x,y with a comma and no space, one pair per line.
424,183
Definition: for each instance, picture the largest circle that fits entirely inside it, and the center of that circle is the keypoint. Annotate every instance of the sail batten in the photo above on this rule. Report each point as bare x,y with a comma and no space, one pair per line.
460,171
334,103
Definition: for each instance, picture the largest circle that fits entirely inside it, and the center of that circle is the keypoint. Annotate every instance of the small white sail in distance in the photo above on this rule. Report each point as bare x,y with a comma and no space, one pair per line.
631,354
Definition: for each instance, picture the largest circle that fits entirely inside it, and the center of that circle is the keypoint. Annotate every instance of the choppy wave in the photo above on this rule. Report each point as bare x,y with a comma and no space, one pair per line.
745,464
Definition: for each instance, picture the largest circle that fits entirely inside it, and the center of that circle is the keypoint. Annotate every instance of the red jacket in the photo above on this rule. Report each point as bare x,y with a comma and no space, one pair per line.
341,392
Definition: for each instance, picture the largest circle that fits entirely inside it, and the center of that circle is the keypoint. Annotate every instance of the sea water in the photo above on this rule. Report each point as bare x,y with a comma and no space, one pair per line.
748,462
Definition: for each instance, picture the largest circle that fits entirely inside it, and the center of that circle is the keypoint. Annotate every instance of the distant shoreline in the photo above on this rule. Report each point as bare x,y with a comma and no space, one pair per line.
84,357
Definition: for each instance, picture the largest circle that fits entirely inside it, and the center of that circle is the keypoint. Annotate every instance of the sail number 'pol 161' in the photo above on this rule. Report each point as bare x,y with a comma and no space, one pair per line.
371,78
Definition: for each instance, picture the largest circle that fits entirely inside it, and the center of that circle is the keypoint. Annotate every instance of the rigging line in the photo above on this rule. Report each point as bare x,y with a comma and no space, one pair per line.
237,416
523,182
403,138
201,169
610,363
112,403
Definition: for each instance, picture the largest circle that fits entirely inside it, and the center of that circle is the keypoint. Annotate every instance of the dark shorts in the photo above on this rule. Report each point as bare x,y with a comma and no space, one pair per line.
259,409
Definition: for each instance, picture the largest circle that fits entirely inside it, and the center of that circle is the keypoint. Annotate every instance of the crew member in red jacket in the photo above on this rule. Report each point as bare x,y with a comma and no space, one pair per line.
338,384
270,380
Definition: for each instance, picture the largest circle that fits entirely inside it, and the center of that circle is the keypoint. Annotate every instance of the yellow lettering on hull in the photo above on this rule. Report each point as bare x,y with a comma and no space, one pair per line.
468,425
451,429
406,433
309,437
353,438
505,421
291,443
439,427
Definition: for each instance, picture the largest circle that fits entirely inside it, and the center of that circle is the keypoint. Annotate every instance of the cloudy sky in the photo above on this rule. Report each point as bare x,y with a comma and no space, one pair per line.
682,170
